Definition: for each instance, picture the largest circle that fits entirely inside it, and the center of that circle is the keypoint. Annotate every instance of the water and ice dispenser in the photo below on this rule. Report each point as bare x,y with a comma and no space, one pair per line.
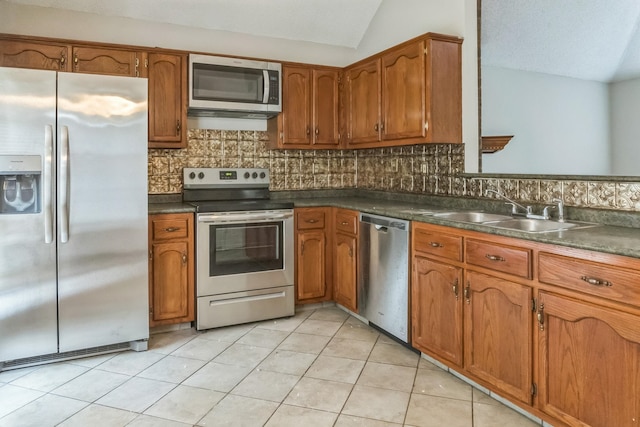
20,178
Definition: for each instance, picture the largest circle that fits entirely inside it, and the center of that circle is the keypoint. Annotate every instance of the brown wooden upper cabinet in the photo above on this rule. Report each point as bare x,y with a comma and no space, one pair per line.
63,57
38,55
411,93
167,100
116,62
363,100
309,117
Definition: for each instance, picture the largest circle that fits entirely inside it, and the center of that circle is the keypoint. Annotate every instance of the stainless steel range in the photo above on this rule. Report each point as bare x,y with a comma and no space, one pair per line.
244,246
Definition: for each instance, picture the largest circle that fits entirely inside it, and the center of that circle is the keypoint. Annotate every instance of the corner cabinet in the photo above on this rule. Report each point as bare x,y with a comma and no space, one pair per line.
167,75
309,117
313,256
171,269
345,258
409,94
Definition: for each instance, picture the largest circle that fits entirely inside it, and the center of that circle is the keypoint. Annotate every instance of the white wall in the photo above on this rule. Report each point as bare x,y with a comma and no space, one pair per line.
395,22
625,127
560,124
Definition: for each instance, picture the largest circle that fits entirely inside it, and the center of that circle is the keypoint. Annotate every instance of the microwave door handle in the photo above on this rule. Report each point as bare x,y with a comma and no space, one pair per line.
265,95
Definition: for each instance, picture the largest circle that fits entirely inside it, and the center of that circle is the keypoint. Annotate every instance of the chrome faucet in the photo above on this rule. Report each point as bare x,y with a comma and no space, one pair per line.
514,205
560,209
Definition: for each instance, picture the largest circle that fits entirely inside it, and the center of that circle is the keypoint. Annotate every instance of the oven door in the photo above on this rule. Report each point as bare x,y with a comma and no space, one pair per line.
243,251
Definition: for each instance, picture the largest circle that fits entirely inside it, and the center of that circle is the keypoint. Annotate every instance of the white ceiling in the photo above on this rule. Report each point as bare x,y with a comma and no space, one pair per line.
333,22
586,39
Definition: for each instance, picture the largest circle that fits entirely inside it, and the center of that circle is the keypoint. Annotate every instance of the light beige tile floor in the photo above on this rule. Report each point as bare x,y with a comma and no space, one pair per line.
318,368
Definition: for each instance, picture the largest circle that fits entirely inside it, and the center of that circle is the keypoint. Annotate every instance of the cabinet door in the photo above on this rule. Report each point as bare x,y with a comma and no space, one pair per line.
363,92
436,309
39,56
589,363
94,60
296,105
498,337
325,107
345,251
167,101
403,93
170,282
311,276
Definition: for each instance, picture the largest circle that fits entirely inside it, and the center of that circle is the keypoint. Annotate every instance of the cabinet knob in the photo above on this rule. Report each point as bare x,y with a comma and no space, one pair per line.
308,131
184,258
178,127
317,131
376,127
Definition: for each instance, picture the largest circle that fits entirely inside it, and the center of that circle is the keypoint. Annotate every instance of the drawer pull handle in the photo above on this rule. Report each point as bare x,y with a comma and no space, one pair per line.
312,221
494,257
435,245
596,282
171,229
344,223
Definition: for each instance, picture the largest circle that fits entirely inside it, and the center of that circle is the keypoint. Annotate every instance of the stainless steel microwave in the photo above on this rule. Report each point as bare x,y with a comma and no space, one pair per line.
233,87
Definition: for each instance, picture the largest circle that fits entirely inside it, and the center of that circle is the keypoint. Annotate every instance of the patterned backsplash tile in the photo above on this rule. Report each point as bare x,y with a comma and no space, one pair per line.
424,169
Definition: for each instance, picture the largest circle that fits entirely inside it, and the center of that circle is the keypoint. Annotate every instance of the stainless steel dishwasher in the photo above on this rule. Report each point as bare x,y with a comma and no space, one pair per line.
383,284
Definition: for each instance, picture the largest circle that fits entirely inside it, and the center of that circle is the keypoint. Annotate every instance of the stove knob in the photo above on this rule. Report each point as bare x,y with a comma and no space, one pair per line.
254,175
247,175
201,175
192,175
262,175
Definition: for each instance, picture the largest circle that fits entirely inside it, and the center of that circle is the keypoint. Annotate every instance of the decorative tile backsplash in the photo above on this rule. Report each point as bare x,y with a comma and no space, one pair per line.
425,169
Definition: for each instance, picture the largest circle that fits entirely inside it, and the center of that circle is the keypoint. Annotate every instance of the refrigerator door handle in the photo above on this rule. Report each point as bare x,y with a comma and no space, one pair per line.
64,186
48,184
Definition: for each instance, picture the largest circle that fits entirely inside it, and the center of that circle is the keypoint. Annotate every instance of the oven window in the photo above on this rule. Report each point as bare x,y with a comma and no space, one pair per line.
229,84
245,248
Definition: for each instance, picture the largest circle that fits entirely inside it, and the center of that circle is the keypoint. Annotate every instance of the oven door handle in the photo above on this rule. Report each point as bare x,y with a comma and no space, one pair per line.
242,218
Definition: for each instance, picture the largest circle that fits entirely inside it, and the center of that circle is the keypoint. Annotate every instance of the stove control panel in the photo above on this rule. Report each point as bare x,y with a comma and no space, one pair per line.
226,177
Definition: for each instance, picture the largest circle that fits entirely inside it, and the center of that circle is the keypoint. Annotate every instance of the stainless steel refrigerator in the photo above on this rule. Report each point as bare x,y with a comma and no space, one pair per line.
73,215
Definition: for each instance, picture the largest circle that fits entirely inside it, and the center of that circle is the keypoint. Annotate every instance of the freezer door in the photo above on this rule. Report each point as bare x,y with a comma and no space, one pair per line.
102,210
28,312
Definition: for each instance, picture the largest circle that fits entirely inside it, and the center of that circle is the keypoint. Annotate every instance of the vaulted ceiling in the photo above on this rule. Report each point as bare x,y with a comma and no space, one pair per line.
587,39
332,22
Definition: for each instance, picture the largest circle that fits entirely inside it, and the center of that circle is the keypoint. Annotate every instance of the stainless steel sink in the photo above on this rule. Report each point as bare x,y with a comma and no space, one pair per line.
473,217
529,225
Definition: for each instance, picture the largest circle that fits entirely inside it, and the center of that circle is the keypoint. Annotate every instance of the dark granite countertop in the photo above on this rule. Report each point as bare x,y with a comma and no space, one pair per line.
614,239
617,233
168,203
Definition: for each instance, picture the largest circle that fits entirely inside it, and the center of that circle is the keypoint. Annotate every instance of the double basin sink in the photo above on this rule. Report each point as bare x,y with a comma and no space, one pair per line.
528,225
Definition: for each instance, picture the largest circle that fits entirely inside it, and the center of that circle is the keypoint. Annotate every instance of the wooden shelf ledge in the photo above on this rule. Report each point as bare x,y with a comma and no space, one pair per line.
491,144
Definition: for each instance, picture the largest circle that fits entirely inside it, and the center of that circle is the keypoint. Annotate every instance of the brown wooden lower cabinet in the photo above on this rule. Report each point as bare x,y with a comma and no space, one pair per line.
589,363
436,309
313,260
498,334
555,330
171,269
345,258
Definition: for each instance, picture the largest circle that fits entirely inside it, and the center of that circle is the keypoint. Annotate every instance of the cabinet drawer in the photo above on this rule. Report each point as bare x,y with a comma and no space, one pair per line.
306,220
440,244
603,280
507,259
347,221
165,229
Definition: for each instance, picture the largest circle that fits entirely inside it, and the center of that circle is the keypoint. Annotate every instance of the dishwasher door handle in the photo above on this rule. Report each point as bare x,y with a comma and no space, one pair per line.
381,228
